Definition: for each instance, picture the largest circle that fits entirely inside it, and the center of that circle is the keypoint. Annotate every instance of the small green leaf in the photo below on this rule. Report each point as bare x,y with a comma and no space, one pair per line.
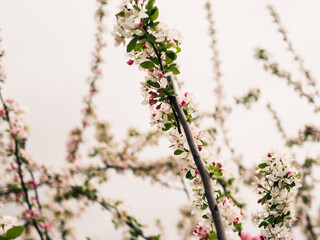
137,8
263,224
154,14
120,14
262,165
153,84
205,216
154,60
168,60
167,126
14,232
238,226
178,152
150,4
172,55
138,47
151,38
132,44
213,236
147,65
174,70
204,206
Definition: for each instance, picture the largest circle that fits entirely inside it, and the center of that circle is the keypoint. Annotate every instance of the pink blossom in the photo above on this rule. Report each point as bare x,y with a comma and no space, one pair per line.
2,112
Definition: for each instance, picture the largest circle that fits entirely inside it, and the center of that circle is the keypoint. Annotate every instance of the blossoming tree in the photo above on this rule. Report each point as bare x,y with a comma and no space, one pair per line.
49,199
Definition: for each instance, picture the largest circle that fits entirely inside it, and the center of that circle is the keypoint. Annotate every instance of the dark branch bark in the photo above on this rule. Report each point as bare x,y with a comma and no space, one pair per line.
181,118
201,167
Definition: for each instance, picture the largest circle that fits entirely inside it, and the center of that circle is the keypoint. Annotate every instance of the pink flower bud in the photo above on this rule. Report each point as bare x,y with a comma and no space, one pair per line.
269,154
197,172
186,94
160,75
213,163
219,165
144,46
259,185
200,148
140,24
153,94
152,101
259,201
130,62
236,220
183,103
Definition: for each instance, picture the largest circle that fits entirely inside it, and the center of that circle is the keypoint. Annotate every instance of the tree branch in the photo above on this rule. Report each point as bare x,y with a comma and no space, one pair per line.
19,162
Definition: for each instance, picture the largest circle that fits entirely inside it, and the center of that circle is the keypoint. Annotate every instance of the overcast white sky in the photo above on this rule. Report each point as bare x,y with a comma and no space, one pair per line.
48,44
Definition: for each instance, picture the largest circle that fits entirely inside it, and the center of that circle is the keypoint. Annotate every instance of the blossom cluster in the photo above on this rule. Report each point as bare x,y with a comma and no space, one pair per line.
277,189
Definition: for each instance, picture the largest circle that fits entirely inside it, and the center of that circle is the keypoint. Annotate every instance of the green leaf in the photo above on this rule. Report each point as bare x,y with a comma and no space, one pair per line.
154,14
14,232
262,165
205,216
174,70
150,4
147,65
188,175
168,60
213,236
138,47
238,226
265,198
172,55
154,60
263,224
137,8
167,126
273,207
132,44
151,38
153,84
178,152
120,14
204,206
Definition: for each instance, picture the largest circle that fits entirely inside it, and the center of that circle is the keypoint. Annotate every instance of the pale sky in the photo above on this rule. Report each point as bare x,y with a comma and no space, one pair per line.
48,45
